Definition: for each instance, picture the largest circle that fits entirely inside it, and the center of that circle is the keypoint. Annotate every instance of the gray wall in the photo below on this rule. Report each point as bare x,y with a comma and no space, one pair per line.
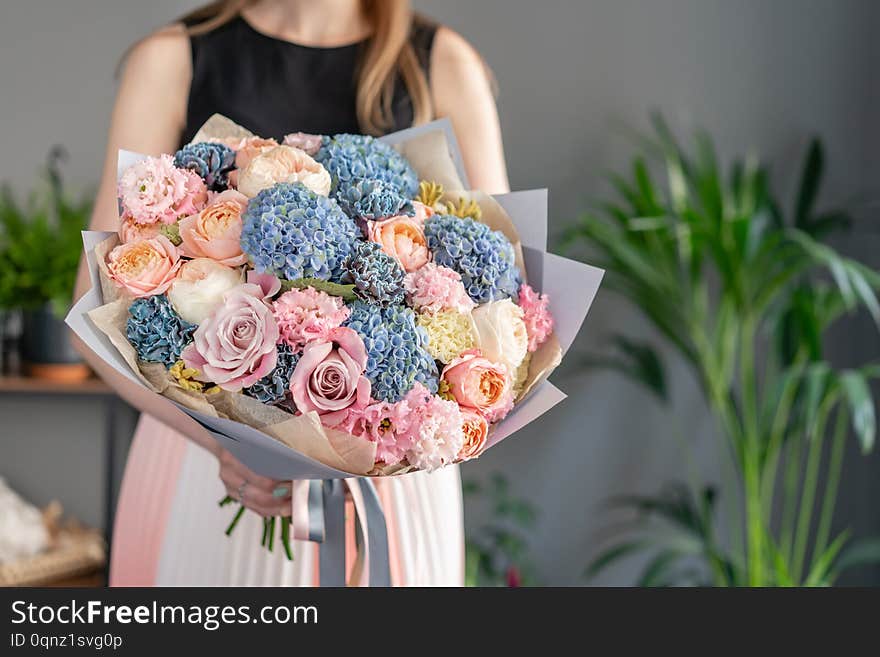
757,74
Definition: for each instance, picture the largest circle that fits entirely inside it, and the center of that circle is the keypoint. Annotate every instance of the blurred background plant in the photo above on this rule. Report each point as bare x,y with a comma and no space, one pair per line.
40,246
497,553
745,295
40,242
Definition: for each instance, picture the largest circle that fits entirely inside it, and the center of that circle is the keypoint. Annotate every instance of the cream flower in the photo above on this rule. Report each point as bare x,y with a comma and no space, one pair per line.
501,333
199,288
450,333
283,164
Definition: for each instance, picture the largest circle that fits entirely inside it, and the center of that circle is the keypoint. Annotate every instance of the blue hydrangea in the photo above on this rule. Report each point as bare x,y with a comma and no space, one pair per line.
349,158
376,275
157,333
274,387
211,161
292,232
373,199
396,353
484,257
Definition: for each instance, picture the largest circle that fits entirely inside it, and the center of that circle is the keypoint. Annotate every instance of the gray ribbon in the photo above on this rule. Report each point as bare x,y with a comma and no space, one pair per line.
332,555
332,552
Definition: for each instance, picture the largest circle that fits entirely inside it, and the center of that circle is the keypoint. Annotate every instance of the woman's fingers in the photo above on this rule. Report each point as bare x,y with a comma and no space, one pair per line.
265,496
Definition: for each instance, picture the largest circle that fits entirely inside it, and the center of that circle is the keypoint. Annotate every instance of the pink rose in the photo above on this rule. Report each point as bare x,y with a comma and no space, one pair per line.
479,384
153,191
476,431
402,238
132,231
145,267
329,377
235,346
215,232
311,144
283,164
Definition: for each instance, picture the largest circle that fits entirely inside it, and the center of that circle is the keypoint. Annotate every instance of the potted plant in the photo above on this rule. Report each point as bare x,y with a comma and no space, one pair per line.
40,247
745,295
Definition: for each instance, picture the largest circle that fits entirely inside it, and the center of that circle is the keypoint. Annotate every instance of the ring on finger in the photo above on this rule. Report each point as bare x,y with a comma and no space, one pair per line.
241,489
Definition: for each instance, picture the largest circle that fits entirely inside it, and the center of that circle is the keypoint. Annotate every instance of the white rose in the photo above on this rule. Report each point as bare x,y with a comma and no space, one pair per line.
501,333
283,164
199,288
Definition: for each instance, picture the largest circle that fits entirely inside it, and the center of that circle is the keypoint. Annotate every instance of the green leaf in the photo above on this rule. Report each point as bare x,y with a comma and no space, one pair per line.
818,575
613,554
811,176
657,572
640,362
861,552
333,289
857,394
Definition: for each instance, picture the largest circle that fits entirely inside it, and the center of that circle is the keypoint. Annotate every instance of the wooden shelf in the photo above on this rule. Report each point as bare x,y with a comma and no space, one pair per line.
24,384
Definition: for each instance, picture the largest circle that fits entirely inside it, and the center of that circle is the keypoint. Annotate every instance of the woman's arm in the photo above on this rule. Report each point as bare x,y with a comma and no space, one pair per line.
148,117
456,65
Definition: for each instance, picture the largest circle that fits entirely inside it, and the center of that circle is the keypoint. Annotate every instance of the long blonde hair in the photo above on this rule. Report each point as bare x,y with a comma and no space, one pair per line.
388,53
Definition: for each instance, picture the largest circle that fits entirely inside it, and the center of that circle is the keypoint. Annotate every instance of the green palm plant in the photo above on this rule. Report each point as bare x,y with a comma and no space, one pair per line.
745,296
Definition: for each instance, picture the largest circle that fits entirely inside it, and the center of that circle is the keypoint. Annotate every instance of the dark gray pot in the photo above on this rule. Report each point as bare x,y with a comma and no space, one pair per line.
46,339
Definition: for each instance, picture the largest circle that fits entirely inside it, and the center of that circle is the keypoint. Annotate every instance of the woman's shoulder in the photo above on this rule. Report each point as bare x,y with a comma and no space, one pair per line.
453,56
165,50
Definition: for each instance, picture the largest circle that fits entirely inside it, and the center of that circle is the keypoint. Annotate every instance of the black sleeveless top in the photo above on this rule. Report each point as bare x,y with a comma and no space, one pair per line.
274,87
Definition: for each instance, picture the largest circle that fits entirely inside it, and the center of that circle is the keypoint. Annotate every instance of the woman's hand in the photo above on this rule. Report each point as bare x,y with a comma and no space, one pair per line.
264,496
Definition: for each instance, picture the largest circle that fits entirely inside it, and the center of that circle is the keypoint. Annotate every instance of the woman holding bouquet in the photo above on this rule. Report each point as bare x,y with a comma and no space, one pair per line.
279,67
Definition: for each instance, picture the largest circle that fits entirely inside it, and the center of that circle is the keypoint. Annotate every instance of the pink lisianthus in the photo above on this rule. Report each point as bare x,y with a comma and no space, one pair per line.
433,289
235,346
132,231
402,238
308,314
329,376
386,424
536,315
311,144
146,267
215,232
435,430
155,191
479,384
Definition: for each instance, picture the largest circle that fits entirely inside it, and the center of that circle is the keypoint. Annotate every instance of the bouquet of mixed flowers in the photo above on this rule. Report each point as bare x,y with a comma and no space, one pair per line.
341,298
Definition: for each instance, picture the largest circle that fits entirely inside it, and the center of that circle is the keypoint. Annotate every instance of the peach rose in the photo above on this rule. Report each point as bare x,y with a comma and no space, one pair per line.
146,267
283,164
476,431
248,148
132,231
402,238
478,384
215,232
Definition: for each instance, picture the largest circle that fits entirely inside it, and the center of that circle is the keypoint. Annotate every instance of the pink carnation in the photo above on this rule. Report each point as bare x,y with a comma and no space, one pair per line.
154,191
306,315
433,288
536,315
436,430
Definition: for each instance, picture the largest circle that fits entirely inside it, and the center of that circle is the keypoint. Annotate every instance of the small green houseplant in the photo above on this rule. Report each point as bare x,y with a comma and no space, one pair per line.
745,295
40,248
